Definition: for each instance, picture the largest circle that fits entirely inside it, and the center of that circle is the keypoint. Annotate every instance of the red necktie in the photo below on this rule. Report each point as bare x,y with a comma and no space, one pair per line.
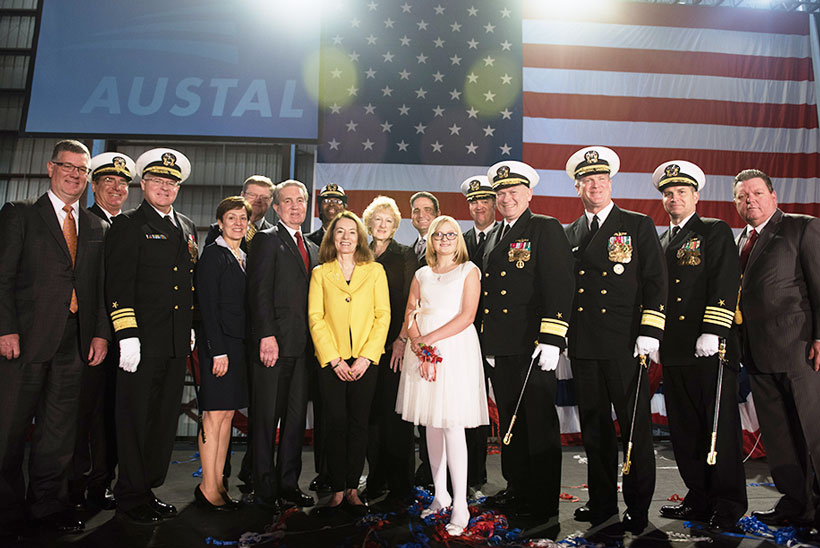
747,250
300,243
70,235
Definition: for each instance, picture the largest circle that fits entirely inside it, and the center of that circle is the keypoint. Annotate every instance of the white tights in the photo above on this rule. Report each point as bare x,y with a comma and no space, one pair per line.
448,447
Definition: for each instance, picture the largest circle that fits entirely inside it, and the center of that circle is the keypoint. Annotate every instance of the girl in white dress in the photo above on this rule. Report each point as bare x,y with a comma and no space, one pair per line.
450,396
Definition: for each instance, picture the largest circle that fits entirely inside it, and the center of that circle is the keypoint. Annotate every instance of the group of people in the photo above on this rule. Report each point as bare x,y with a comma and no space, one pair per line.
382,337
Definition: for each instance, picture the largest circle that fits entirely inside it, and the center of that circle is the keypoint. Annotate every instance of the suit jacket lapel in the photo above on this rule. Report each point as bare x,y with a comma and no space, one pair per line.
46,210
334,276
284,235
767,235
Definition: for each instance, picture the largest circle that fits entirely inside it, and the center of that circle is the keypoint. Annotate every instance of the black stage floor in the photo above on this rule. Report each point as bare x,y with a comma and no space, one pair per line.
393,526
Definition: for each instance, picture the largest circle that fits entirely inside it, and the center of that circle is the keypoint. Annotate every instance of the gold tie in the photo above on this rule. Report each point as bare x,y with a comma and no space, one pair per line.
70,235
251,232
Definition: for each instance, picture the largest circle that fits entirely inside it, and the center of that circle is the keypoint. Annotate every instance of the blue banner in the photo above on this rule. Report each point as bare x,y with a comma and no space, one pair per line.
242,68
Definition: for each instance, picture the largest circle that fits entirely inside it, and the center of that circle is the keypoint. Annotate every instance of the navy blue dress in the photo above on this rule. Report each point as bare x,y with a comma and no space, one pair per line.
220,288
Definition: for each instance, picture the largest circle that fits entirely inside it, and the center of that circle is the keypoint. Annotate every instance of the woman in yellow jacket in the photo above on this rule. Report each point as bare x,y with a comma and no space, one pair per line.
349,314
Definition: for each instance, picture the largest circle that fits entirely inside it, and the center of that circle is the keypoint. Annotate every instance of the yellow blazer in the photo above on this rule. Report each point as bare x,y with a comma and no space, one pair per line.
338,312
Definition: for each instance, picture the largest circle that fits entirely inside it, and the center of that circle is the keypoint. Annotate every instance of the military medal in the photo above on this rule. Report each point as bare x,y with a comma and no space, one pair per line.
618,269
519,253
192,248
620,248
689,253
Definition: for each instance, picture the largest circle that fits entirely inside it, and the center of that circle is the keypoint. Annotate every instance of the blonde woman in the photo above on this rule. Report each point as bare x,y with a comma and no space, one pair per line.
390,443
450,396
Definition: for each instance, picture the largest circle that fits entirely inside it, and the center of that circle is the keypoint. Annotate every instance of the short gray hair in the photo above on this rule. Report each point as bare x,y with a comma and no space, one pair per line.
284,184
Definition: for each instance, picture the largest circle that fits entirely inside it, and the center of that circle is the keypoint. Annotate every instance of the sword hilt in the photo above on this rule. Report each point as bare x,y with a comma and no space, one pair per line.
628,460
508,436
722,349
642,358
711,458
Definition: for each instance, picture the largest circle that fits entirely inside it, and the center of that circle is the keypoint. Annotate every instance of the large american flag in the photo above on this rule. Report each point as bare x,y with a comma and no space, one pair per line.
421,95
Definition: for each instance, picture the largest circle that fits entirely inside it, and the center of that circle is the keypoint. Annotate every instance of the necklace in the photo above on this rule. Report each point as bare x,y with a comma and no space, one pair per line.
444,273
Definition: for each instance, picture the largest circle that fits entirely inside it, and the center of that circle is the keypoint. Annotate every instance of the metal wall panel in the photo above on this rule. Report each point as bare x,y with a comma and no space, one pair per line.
14,71
16,31
18,4
11,109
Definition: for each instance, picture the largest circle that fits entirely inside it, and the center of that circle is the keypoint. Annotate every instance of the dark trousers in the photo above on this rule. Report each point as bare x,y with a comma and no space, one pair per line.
531,463
477,448
279,394
148,403
95,451
599,386
347,412
390,456
49,392
319,457
787,411
690,392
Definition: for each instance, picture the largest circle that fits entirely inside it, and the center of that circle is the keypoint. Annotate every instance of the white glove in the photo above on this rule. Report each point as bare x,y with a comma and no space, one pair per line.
193,339
646,345
490,360
547,356
706,345
655,356
129,354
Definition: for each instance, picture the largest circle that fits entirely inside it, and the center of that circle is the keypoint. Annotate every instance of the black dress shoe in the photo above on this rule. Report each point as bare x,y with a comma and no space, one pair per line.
723,524
358,510
683,511
582,513
774,517
635,524
143,514
231,501
61,522
320,483
268,503
808,535
297,497
102,499
503,500
164,509
203,502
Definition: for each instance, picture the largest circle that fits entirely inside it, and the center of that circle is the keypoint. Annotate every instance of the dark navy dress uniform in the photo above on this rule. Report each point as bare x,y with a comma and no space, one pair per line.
620,294
149,288
527,286
704,273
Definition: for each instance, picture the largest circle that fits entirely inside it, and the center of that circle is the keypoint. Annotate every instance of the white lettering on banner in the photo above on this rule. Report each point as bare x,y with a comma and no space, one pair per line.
190,95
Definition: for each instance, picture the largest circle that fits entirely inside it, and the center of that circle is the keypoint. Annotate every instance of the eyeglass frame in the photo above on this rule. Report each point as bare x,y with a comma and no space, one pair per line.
450,236
162,182
68,167
110,180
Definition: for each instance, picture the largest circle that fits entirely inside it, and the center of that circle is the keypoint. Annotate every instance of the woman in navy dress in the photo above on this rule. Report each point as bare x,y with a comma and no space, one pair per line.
220,288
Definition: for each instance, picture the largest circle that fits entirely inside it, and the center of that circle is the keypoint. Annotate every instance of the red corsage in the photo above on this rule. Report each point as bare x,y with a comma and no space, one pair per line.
430,358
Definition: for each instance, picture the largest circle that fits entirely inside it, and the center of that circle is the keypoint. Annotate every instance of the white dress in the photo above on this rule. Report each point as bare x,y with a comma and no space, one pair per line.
457,398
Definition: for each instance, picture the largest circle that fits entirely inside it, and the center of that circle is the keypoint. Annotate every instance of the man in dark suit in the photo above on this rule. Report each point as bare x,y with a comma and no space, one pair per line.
95,452
258,190
423,209
481,201
52,324
617,315
780,331
279,267
332,201
703,276
150,256
527,290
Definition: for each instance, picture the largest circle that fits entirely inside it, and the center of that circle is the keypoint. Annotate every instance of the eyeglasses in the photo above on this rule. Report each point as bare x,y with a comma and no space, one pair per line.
111,181
334,201
444,235
70,168
162,182
251,197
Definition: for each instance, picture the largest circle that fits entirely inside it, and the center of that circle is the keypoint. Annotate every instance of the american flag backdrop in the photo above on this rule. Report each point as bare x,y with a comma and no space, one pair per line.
421,95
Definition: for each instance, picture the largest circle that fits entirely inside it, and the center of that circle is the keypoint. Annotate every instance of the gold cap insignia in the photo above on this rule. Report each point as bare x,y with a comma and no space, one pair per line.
503,172
591,156
672,170
332,187
474,185
119,162
169,159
